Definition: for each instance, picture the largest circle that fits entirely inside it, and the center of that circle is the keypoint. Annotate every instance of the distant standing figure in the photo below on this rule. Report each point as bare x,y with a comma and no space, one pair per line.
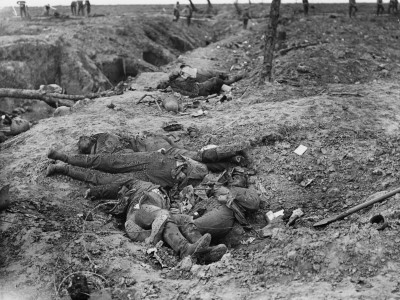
246,17
80,8
305,7
22,8
87,4
47,9
188,12
352,8
379,8
73,8
393,4
176,12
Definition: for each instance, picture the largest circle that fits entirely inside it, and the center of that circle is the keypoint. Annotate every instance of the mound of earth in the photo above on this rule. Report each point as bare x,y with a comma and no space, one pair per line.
349,124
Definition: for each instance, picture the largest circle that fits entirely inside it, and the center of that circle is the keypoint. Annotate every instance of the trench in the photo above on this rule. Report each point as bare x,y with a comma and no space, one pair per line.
118,54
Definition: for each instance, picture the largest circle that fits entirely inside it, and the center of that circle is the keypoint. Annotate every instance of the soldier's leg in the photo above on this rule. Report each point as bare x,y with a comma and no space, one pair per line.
190,231
88,175
112,163
224,152
135,232
217,222
106,191
174,238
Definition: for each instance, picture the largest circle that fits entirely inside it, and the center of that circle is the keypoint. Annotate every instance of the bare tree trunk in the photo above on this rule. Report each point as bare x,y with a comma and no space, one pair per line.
192,6
52,99
237,7
270,39
209,7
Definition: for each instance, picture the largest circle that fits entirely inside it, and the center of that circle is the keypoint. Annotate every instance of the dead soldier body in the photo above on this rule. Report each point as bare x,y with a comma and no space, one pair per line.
166,170
194,82
146,208
215,158
110,143
148,219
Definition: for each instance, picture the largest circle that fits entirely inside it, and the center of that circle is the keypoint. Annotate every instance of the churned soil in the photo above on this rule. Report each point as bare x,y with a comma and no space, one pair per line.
335,92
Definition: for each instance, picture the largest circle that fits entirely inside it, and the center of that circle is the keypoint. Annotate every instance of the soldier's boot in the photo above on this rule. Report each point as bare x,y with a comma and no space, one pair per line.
56,169
225,152
234,79
80,160
56,155
182,246
213,254
81,174
210,254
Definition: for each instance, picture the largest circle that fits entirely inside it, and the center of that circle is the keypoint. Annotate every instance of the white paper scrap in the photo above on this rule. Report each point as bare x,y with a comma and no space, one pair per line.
300,150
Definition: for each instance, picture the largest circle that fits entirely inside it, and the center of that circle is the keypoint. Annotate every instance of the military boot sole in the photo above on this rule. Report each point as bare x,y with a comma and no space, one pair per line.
215,253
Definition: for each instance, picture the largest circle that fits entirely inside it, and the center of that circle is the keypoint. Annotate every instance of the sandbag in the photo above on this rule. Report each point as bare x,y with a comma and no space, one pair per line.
62,111
51,88
18,126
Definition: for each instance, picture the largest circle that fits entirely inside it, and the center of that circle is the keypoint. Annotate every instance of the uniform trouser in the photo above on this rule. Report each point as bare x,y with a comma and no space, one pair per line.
306,9
73,10
213,85
379,9
352,10
88,10
139,222
80,10
210,157
99,178
111,163
245,22
22,12
217,222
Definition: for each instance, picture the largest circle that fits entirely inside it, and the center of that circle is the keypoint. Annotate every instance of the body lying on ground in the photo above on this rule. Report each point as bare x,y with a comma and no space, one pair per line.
148,217
197,82
166,169
110,143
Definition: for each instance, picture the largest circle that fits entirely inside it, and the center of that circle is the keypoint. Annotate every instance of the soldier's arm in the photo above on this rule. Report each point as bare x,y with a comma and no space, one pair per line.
107,191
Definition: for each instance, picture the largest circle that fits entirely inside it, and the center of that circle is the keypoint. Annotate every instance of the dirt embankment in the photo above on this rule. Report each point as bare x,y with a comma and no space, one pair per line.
91,54
349,124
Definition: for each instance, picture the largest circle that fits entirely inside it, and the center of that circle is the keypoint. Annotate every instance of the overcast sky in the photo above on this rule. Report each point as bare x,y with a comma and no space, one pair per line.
115,2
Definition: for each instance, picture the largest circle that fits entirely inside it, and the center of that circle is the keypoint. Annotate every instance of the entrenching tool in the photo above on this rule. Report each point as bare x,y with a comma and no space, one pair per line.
356,208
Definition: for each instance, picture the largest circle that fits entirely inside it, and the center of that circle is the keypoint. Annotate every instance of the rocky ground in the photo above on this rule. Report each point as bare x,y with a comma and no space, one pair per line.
338,95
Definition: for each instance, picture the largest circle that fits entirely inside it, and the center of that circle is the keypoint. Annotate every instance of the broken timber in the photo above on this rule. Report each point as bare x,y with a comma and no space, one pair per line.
53,99
286,50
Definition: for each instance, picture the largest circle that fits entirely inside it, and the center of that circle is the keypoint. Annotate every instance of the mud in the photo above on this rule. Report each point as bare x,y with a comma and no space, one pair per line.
349,124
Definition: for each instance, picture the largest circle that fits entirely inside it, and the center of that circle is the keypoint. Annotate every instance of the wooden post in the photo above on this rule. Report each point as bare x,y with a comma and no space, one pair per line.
52,99
237,7
192,6
270,39
209,7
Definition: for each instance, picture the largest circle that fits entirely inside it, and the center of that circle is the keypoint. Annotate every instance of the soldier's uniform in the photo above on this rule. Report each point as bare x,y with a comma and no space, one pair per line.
80,8
379,8
176,12
305,7
73,8
352,8
22,8
88,7
246,17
